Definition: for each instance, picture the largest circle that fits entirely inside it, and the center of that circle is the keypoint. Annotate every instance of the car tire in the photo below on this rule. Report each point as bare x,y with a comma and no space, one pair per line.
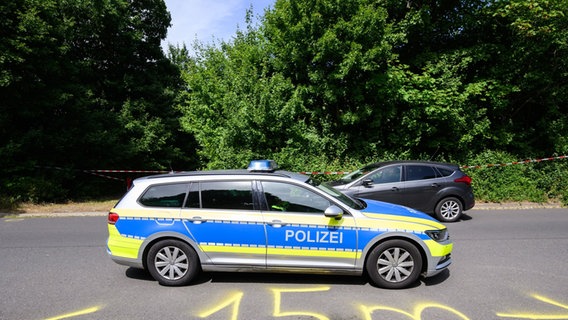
449,209
173,262
394,264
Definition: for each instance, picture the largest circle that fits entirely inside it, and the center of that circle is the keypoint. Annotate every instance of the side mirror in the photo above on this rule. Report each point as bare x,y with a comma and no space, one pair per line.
334,211
367,183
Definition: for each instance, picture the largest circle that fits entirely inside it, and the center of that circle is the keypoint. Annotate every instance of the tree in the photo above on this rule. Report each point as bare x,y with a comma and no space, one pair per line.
236,107
336,54
480,75
533,59
85,86
420,79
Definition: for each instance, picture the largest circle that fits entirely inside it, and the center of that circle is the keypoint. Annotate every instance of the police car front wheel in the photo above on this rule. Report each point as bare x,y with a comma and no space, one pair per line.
172,262
394,264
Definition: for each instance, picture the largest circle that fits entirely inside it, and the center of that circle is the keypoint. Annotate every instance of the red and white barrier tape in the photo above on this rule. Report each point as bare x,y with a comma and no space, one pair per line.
513,163
462,167
128,171
98,172
325,172
103,176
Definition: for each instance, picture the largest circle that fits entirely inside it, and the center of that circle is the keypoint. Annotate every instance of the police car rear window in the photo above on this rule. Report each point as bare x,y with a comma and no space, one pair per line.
233,195
166,195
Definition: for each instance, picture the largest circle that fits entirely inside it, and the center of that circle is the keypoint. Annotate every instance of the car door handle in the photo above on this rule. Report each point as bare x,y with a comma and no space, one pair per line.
394,189
276,223
435,185
197,220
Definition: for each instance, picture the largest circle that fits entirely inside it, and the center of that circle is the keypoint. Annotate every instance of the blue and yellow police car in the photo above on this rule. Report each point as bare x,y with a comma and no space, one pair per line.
268,220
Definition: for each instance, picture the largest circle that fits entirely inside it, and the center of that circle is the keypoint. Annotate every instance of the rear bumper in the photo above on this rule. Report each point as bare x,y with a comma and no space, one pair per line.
469,201
135,263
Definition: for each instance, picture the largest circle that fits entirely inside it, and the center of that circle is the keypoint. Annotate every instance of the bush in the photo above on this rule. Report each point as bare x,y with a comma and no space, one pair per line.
36,190
535,181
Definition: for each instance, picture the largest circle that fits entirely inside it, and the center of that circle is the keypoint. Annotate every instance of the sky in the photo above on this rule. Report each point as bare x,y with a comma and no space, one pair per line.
206,20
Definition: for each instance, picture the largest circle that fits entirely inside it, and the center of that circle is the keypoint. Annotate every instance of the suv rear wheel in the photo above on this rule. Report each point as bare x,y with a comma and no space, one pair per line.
449,209
394,264
172,262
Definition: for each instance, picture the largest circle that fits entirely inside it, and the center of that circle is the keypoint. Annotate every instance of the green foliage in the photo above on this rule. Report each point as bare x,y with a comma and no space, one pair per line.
320,85
533,181
551,179
335,54
330,85
84,85
504,183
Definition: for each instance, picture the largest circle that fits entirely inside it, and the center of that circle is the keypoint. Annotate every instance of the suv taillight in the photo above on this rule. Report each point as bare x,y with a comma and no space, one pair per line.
465,179
112,217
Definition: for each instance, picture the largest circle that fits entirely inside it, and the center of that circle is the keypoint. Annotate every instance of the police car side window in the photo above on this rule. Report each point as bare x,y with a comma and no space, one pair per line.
291,198
193,197
232,195
165,195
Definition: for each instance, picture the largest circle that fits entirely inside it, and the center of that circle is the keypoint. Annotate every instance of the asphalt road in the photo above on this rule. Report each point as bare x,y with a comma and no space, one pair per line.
508,264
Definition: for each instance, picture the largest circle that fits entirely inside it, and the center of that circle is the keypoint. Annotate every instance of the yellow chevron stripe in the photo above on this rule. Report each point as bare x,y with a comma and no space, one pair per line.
122,246
282,251
314,253
232,249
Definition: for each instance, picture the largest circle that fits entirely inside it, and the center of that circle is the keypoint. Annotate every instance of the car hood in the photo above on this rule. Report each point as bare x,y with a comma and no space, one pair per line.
384,210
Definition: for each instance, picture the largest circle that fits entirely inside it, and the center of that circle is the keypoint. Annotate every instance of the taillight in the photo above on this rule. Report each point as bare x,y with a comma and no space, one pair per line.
112,217
465,179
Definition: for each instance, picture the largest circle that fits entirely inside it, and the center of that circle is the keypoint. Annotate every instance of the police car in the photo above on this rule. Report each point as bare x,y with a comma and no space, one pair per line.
267,220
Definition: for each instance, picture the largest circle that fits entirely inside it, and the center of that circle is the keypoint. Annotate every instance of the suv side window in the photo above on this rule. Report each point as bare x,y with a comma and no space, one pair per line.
418,172
164,195
233,195
445,172
291,198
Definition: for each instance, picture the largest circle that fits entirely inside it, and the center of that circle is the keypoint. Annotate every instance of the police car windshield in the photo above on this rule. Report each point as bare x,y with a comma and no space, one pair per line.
352,203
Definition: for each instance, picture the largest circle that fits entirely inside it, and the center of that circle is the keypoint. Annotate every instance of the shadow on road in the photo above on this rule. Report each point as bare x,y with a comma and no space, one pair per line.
288,278
437,279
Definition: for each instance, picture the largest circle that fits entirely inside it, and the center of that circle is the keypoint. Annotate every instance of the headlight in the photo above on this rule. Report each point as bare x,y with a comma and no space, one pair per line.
438,235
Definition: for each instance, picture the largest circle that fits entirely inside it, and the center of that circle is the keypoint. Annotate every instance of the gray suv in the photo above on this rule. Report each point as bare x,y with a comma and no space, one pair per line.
432,187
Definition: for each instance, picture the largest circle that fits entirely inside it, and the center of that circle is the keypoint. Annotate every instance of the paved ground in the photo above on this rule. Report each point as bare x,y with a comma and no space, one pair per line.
508,264
516,205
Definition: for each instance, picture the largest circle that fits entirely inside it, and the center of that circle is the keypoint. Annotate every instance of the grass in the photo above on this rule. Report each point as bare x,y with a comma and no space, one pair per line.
88,206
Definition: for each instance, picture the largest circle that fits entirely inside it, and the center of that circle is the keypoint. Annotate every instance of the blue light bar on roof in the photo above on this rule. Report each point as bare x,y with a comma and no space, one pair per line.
262,166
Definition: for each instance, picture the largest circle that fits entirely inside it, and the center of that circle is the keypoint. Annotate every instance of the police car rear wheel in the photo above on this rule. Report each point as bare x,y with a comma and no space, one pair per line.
172,262
394,264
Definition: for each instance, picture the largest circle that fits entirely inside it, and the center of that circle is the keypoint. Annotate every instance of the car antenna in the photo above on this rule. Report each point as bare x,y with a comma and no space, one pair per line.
434,154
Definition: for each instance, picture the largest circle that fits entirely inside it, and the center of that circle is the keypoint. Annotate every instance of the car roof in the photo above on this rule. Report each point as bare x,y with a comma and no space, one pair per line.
435,163
228,173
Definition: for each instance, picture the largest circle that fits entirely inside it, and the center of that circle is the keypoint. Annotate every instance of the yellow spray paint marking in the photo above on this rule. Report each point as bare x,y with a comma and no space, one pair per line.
278,299
417,315
76,313
538,316
234,299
